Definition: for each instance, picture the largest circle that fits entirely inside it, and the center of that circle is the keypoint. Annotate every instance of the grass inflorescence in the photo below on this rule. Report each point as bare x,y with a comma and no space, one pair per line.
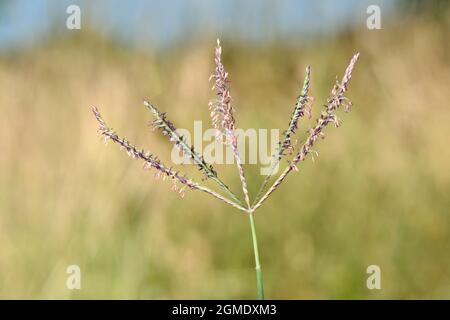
222,117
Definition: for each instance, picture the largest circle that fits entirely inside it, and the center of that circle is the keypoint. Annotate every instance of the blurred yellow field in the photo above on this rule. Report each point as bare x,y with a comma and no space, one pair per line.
377,194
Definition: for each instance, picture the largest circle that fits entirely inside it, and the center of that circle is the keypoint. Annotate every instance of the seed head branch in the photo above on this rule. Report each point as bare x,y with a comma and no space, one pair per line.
220,197
301,108
151,161
327,116
168,128
241,171
221,108
222,115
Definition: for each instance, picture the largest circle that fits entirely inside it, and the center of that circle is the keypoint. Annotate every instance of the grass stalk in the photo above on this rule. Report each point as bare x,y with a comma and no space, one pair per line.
259,278
224,123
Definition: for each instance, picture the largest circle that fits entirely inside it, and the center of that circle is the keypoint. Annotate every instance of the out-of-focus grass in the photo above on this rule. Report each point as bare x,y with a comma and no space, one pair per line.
377,194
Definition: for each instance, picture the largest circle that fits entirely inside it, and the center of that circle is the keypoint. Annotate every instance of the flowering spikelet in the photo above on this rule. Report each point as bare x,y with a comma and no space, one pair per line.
301,108
151,161
168,128
221,108
161,122
327,116
222,115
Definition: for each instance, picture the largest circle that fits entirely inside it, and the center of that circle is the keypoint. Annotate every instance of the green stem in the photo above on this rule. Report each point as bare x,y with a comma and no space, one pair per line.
259,279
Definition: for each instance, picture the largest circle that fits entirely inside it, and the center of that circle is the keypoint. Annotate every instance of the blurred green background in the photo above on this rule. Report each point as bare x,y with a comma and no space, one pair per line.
378,194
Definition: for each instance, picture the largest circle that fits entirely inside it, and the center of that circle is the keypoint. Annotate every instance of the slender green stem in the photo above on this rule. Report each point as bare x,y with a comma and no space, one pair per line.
259,279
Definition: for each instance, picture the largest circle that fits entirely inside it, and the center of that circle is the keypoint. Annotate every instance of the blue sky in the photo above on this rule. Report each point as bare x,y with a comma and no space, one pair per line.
160,23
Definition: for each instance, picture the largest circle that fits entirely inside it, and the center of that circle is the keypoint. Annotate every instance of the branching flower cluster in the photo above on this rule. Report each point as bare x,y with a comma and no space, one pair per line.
222,117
